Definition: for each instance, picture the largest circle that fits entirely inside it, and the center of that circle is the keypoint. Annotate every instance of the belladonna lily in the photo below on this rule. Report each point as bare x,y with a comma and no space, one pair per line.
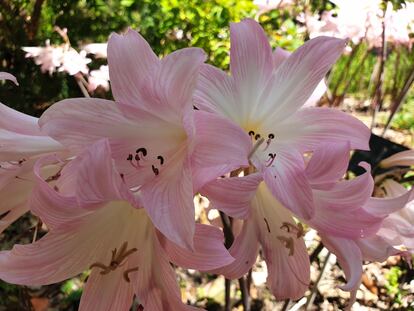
127,255
263,95
21,142
163,149
346,217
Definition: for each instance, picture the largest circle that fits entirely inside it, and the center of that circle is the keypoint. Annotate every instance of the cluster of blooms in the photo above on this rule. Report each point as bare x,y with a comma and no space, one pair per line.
265,6
64,58
114,181
363,21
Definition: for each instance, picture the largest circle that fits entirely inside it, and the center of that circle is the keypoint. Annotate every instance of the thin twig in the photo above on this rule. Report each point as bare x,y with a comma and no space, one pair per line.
316,252
377,98
285,305
228,241
81,86
312,295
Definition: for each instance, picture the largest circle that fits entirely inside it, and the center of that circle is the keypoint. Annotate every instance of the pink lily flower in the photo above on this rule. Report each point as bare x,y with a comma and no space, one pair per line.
21,143
263,95
346,217
127,255
163,149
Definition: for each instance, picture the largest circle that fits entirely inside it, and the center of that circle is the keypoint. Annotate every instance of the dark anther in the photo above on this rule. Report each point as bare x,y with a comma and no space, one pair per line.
257,136
21,161
272,157
271,136
143,151
161,159
137,158
122,176
251,133
129,157
155,170
267,224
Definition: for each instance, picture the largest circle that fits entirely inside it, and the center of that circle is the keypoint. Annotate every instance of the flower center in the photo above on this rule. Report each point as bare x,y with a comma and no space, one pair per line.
258,141
117,260
288,241
139,160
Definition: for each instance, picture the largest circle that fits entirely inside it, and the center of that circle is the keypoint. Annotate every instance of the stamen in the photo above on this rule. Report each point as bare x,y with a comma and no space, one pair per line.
142,150
129,157
300,231
267,224
53,177
255,147
161,159
117,260
271,136
272,157
22,160
251,133
126,272
155,170
288,243
257,136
